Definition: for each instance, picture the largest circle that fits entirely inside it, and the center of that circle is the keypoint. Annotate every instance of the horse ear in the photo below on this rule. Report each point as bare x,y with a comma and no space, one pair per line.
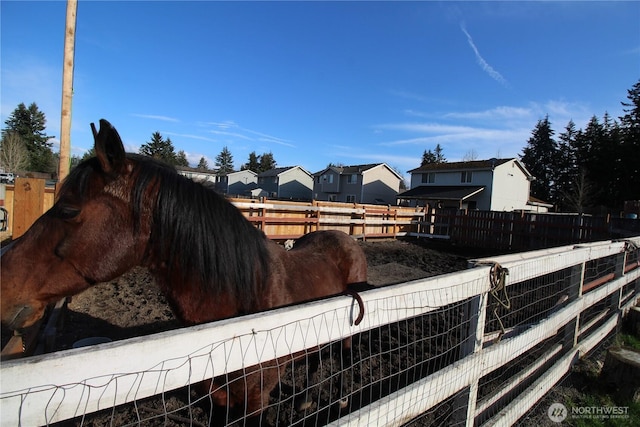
109,147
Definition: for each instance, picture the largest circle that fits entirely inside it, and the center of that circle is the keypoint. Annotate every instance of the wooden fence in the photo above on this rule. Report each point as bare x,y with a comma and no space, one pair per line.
282,220
520,231
478,347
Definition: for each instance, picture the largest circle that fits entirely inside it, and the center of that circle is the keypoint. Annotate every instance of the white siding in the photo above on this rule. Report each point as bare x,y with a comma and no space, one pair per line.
510,188
380,183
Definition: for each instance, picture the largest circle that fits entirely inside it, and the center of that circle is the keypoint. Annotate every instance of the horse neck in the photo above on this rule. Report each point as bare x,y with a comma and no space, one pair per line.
192,304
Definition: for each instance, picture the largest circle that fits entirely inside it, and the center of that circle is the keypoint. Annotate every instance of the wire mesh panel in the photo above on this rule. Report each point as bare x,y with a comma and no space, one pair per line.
455,349
324,369
520,305
400,353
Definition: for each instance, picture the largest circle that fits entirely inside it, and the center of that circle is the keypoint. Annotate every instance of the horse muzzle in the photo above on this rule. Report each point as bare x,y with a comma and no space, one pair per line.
21,316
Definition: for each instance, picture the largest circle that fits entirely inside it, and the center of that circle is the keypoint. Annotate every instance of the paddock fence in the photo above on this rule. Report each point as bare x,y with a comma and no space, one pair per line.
282,220
476,347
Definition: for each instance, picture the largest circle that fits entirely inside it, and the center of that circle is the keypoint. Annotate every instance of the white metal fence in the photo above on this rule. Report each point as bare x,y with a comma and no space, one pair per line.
455,349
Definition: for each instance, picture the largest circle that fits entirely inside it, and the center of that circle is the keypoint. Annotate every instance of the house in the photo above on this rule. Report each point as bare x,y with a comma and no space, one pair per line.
292,182
204,176
239,183
494,184
372,183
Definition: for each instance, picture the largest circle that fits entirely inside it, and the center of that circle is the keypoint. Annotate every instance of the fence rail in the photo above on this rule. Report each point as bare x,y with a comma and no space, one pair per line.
449,348
282,220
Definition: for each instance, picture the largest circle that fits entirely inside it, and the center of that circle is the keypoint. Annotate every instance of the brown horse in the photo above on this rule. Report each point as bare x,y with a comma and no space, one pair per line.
120,210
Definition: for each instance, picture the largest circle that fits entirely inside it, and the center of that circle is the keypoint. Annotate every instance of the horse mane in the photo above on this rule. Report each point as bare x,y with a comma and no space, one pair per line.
197,235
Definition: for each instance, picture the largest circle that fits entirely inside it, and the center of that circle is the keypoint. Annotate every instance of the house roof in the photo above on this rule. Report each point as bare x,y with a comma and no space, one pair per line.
279,171
441,192
348,169
355,169
275,171
537,202
453,166
249,171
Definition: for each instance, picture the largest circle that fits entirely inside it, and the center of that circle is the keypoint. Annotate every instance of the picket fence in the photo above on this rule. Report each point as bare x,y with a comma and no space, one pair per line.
477,347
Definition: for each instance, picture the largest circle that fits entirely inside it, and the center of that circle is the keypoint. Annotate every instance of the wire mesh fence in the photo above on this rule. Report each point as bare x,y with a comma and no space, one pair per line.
447,350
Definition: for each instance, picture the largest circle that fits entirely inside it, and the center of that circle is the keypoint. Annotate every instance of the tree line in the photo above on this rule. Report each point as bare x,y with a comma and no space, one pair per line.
162,149
594,170
25,146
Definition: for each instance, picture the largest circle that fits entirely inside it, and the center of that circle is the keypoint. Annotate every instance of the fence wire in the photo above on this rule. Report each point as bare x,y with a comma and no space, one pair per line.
413,337
321,385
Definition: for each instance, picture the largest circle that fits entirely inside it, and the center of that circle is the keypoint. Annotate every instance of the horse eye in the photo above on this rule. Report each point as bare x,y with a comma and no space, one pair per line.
67,212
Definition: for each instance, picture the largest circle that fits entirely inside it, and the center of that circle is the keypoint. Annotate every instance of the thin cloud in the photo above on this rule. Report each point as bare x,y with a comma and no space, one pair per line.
227,124
246,134
231,134
502,112
188,135
155,117
483,64
268,138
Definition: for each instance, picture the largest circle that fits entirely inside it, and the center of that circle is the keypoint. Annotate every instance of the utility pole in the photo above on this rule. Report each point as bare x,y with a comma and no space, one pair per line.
67,90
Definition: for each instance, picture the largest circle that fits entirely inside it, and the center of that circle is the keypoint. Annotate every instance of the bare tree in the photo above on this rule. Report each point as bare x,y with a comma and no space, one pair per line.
13,153
470,155
580,194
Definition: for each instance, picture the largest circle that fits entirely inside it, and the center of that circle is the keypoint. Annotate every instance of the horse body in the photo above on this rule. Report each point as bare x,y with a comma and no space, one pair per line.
118,210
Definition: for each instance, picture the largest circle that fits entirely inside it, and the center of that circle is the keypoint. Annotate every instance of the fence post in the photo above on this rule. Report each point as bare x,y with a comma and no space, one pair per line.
476,313
574,290
28,204
618,271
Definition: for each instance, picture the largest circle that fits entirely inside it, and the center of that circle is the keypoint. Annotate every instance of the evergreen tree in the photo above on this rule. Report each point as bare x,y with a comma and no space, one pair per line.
438,152
29,125
428,157
540,158
181,159
597,153
203,165
75,161
253,164
159,148
435,156
572,185
630,145
224,161
267,162
89,154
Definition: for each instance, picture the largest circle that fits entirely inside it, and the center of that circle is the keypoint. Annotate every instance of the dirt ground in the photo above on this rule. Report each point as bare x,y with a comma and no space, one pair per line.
132,305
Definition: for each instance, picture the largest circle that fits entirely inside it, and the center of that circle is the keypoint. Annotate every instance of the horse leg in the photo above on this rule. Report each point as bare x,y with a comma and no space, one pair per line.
346,362
305,401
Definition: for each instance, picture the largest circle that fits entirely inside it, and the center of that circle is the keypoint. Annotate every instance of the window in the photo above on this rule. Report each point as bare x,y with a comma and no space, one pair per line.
332,197
428,178
327,179
351,198
465,176
352,179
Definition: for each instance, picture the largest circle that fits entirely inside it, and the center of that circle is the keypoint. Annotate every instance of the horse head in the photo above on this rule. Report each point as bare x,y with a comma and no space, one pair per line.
90,235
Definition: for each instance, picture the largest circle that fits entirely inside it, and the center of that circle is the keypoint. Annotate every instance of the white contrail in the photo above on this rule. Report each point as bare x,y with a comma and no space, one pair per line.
485,66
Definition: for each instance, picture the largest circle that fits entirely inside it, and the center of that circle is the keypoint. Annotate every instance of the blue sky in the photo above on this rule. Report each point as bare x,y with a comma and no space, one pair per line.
321,82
